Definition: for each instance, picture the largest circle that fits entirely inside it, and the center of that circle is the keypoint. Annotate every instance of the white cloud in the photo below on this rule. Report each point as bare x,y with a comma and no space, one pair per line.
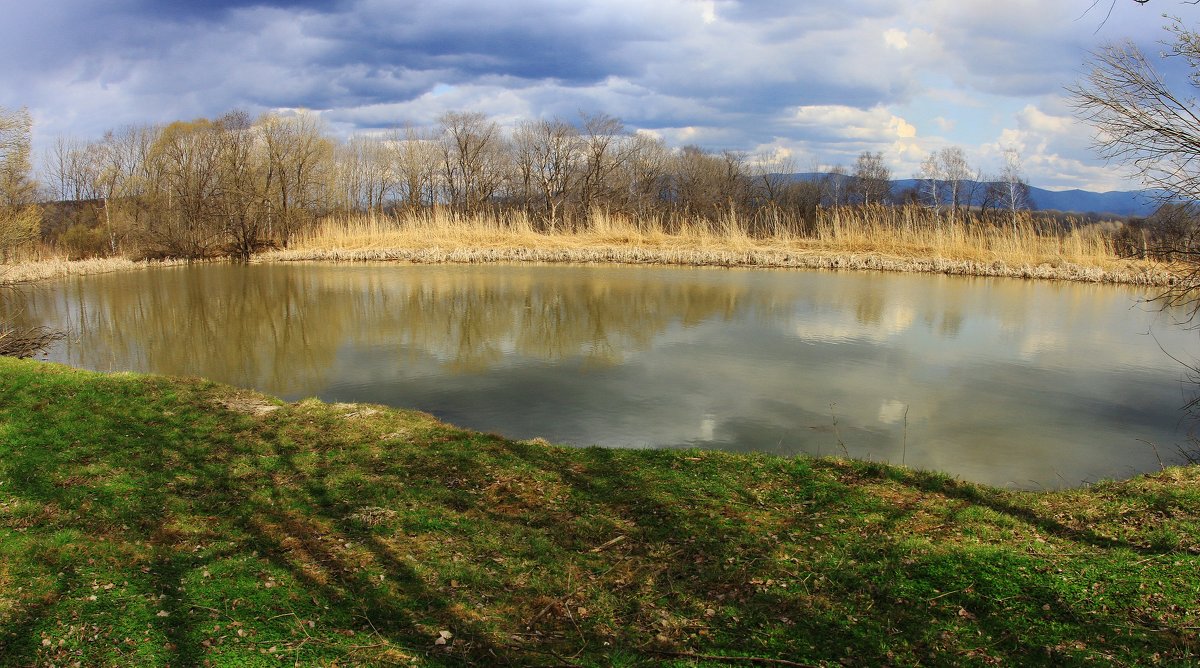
944,124
877,124
896,39
1055,151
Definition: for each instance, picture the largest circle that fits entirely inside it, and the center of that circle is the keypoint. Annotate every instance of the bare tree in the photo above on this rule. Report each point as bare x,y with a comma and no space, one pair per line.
643,174
872,179
603,155
242,198
710,188
780,196
835,186
931,181
957,172
771,174
549,154
1113,5
121,179
1140,120
1014,188
945,178
1145,123
471,146
297,151
363,174
71,170
187,155
414,159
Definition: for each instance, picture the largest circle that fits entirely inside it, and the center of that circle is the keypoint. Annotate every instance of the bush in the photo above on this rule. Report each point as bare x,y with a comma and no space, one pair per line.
80,242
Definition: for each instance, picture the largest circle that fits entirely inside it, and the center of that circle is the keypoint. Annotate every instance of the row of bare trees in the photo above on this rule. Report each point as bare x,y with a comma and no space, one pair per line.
947,181
190,189
233,185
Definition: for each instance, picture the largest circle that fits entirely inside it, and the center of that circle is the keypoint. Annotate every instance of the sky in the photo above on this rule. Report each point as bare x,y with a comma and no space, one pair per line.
816,83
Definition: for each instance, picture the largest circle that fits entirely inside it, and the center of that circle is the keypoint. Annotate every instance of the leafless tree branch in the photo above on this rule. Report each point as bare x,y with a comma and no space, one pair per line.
1153,129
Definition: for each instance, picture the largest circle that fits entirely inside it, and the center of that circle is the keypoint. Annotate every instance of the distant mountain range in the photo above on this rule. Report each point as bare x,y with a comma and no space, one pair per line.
1115,203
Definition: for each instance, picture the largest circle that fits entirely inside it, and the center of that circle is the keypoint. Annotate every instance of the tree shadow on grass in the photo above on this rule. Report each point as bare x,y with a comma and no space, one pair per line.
304,529
1001,502
205,474
654,539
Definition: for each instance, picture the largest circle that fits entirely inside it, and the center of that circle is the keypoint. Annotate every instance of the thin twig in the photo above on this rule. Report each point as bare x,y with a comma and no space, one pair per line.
609,544
1156,455
836,433
956,591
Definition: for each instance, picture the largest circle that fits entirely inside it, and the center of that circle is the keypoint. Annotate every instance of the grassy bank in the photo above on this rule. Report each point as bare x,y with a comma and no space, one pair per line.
157,521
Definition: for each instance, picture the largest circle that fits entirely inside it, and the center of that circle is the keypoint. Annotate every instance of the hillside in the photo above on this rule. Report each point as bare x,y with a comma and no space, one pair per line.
1119,203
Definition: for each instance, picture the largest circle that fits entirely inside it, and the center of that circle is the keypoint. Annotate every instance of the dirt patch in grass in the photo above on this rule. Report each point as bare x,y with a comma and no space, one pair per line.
248,403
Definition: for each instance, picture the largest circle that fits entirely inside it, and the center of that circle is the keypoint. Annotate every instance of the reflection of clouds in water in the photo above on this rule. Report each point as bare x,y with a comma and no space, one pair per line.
842,327
1007,381
892,411
1037,343
708,425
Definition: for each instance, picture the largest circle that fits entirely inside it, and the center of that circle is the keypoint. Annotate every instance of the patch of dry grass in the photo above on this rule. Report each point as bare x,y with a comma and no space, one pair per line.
40,270
878,238
907,239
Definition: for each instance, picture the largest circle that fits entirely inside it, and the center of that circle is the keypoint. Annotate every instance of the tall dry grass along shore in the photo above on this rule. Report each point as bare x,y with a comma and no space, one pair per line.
880,238
909,239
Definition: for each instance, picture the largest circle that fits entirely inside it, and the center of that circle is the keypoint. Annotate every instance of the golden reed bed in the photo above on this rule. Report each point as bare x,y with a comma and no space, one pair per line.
886,239
907,239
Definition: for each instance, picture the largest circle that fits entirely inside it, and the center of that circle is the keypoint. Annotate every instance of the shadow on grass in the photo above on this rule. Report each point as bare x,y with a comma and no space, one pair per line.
201,471
998,501
667,551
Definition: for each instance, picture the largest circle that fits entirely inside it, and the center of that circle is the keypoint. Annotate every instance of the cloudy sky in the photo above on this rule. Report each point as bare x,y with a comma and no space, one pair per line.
816,81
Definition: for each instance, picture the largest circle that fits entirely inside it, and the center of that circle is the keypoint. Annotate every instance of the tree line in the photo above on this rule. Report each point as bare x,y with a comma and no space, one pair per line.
235,184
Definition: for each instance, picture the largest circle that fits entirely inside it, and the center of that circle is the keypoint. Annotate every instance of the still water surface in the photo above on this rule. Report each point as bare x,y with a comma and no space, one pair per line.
1014,383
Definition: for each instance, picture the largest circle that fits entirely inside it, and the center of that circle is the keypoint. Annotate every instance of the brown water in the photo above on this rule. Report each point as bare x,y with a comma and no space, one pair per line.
1018,383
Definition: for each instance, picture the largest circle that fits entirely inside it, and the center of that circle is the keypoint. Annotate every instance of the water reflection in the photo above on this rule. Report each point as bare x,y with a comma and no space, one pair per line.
1008,382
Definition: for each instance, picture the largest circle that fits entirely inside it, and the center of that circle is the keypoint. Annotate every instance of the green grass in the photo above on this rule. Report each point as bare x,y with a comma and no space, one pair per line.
162,521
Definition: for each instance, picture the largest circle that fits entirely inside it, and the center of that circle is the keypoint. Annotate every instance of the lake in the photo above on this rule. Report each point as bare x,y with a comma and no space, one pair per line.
1014,383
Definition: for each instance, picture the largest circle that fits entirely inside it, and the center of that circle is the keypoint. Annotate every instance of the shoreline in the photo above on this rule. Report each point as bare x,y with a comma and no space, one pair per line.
750,259
1133,274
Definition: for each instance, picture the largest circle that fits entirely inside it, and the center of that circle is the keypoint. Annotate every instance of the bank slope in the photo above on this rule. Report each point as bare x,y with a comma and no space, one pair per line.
163,521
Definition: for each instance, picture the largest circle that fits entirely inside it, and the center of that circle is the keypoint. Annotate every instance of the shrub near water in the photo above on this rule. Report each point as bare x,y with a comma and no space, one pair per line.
158,521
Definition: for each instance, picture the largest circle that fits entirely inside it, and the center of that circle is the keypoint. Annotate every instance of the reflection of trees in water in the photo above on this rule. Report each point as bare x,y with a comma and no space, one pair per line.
471,319
869,305
280,328
252,328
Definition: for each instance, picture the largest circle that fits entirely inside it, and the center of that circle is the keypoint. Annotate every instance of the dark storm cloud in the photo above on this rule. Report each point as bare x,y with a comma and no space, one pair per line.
559,41
214,10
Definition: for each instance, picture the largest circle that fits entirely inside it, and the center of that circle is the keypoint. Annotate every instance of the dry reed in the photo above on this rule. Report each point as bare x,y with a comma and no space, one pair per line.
40,270
877,238
908,239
